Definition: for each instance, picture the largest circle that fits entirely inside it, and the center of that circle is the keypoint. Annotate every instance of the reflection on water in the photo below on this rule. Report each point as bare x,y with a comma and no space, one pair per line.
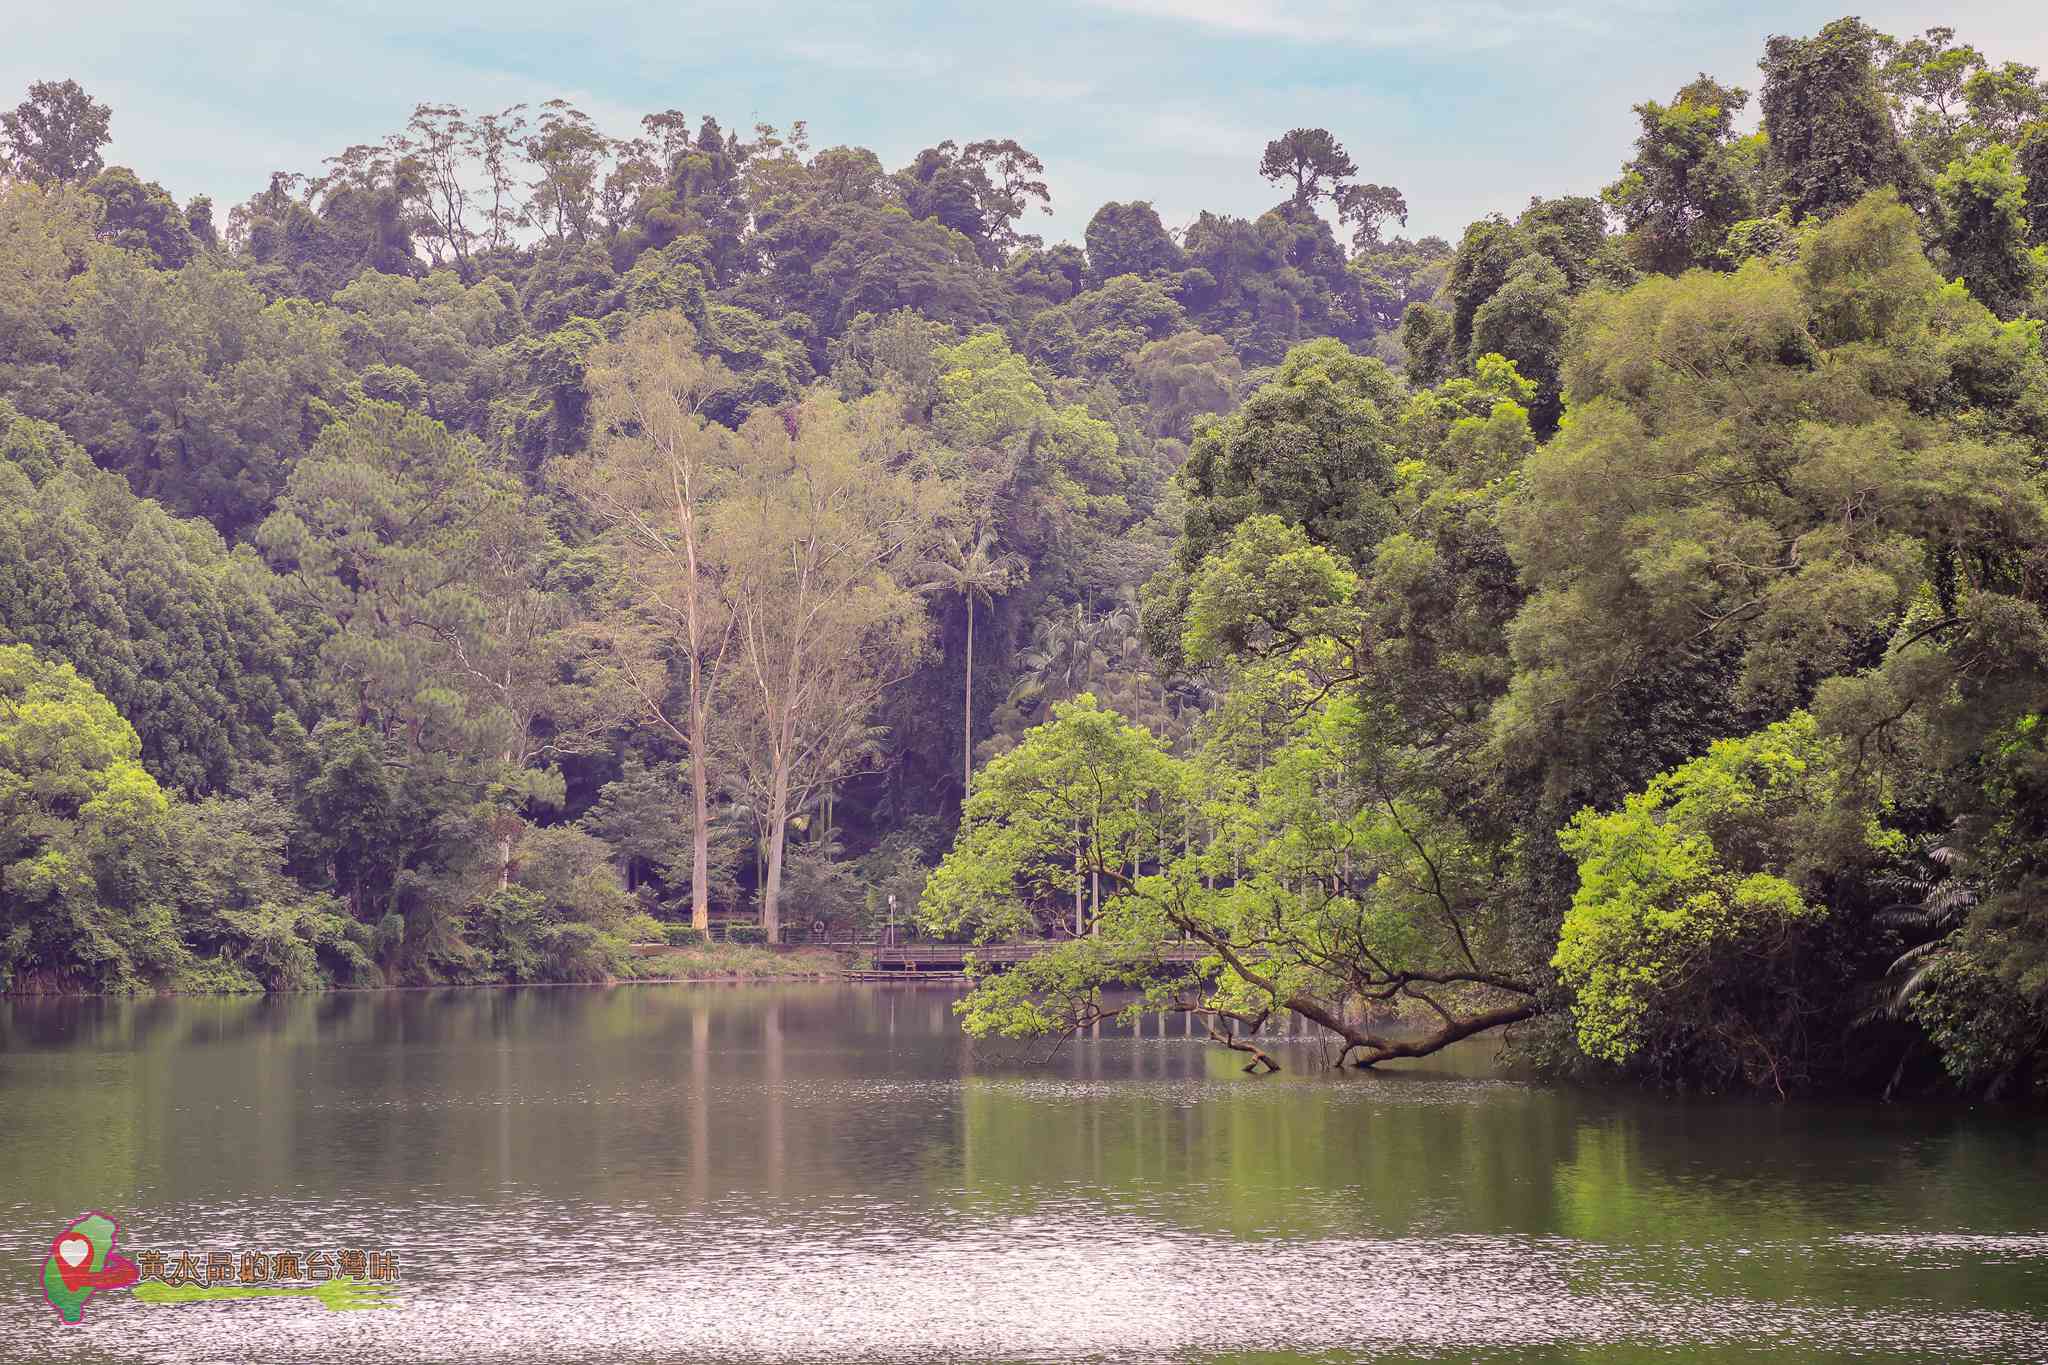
831,1173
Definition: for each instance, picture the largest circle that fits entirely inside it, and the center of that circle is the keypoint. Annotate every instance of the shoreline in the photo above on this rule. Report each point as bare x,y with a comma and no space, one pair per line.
709,979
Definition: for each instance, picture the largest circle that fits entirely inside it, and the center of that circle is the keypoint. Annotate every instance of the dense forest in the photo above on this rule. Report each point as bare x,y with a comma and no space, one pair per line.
1622,627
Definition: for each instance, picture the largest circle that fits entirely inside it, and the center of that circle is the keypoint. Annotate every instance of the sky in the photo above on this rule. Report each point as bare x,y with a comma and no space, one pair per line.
1467,106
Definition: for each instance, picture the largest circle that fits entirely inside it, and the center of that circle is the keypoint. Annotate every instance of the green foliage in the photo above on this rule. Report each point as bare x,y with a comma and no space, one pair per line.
1691,179
578,952
142,218
1269,589
2031,160
1395,628
1684,944
1717,425
1311,446
179,634
193,387
1129,239
505,929
1314,876
445,334
45,241
1830,139
571,877
745,933
641,927
1983,201
1524,321
84,838
1990,1036
55,135
1267,284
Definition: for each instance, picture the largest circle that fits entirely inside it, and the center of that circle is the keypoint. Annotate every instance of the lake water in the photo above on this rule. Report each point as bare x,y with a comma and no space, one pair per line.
828,1173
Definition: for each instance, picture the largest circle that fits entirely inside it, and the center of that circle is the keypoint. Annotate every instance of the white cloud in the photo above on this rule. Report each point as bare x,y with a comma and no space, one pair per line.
1190,130
845,54
1024,85
1464,24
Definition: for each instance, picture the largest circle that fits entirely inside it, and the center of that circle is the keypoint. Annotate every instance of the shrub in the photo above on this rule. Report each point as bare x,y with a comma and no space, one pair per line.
268,942
572,874
745,933
342,946
577,952
505,927
642,928
825,887
683,936
215,976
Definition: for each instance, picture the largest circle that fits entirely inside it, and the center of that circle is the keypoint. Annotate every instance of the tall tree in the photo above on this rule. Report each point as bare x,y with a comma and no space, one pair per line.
1315,161
1368,208
437,147
1984,230
820,535
1525,321
975,569
1831,139
54,136
1691,178
1129,239
569,151
1925,79
655,468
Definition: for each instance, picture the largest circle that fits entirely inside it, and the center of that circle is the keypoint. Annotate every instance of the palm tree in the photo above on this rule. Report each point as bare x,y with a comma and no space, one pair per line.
1070,655
1936,896
1064,658
976,570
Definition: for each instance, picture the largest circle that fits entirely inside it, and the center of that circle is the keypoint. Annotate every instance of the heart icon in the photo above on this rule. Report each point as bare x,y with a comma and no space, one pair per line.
69,1277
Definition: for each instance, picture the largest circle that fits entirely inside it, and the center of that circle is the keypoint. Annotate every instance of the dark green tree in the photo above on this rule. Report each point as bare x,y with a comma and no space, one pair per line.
1690,180
1314,160
1984,230
1525,321
178,633
54,136
142,217
1830,137
1129,239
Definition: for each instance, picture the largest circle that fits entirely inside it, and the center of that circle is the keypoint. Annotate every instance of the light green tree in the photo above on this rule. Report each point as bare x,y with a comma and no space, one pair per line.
84,837
1697,900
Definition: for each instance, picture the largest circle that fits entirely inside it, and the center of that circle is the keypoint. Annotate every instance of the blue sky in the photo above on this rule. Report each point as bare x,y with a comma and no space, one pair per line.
1466,105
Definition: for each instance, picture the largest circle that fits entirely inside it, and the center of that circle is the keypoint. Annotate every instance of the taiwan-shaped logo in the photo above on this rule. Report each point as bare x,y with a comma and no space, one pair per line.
82,1259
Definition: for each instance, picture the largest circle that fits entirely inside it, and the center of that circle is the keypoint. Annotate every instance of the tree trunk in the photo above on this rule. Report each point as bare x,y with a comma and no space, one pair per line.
504,835
778,830
700,781
700,833
1080,883
967,712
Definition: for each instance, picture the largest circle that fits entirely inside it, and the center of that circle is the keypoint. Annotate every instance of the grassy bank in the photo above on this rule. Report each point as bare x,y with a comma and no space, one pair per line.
708,962
731,962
